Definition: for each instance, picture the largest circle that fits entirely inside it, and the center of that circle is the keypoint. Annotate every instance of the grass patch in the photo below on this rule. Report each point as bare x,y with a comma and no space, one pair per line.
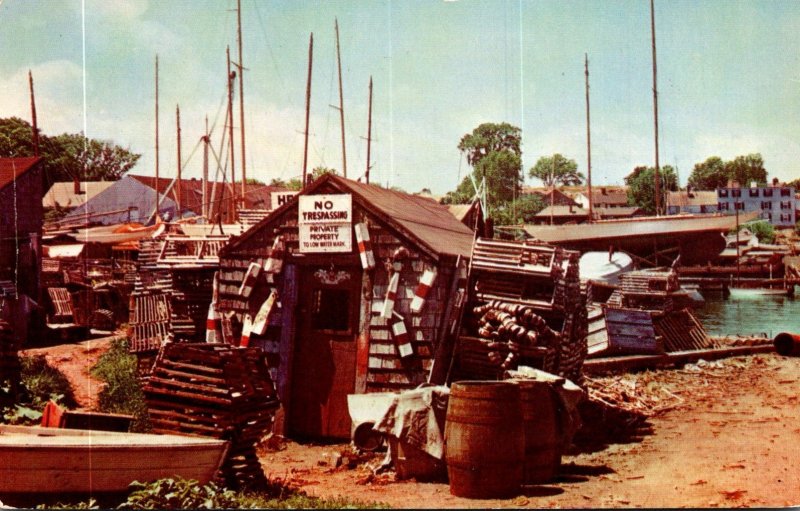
123,391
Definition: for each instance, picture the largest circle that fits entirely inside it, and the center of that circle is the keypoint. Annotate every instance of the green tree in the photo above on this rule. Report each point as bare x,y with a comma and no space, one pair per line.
494,152
67,156
320,170
556,170
709,175
641,186
519,211
745,169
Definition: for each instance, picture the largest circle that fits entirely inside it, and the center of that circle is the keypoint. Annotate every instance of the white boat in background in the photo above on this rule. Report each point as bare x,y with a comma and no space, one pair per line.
755,292
38,461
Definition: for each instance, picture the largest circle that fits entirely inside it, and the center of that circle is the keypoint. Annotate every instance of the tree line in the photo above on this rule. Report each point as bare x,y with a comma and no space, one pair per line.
493,150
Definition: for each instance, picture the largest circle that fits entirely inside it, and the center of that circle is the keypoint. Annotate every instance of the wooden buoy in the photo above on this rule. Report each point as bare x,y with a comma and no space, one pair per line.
484,439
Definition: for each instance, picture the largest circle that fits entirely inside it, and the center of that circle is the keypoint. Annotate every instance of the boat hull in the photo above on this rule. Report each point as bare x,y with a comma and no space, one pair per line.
37,460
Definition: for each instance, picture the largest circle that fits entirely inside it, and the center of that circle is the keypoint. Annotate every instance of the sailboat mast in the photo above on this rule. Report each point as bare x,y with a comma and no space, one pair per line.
588,139
178,184
204,208
308,107
231,77
341,99
655,107
241,96
35,134
158,195
369,130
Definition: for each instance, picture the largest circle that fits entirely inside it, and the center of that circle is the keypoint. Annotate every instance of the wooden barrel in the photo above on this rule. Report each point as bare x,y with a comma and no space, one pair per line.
539,406
484,442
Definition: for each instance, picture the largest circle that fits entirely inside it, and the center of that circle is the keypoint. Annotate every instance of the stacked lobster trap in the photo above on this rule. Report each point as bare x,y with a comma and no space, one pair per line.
525,307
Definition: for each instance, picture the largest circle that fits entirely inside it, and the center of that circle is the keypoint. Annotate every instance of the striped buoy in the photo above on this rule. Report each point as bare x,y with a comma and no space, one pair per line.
401,337
261,321
423,288
274,264
391,296
213,325
247,329
364,246
249,280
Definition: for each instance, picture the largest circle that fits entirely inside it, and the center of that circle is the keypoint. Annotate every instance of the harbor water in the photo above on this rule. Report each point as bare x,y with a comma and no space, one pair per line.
760,315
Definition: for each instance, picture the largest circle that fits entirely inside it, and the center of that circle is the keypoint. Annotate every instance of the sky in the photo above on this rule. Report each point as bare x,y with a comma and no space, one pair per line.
728,81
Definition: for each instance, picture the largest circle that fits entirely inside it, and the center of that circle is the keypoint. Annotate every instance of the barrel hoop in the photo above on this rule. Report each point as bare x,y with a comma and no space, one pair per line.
464,419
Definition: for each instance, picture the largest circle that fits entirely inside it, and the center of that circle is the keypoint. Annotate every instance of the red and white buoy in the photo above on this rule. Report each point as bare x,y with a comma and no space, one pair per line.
423,288
364,246
401,337
247,329
391,296
249,280
274,264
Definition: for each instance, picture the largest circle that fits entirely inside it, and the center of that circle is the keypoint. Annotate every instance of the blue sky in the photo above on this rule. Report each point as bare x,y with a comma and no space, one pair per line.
728,79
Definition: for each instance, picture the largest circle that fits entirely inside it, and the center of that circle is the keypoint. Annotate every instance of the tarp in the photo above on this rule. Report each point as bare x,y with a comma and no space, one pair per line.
417,417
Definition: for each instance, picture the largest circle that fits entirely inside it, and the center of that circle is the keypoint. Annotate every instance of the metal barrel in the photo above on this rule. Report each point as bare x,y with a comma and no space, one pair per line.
787,344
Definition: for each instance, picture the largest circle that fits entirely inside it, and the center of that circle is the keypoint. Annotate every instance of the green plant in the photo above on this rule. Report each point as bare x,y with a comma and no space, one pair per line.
123,391
177,493
40,383
764,231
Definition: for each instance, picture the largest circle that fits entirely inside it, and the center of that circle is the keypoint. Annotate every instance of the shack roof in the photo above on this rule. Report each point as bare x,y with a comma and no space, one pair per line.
13,168
563,211
683,198
416,218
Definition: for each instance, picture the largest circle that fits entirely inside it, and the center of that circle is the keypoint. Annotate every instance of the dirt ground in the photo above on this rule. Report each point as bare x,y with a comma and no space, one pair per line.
727,437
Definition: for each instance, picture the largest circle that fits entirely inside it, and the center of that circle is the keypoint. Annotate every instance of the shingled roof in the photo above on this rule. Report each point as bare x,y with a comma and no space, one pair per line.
13,168
418,218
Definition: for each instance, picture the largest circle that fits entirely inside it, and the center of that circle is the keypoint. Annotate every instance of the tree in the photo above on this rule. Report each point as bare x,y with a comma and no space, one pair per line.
709,175
67,156
556,170
641,186
320,170
519,211
745,169
494,152
714,173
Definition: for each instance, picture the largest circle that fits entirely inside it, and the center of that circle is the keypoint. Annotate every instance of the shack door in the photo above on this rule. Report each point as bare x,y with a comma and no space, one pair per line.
323,368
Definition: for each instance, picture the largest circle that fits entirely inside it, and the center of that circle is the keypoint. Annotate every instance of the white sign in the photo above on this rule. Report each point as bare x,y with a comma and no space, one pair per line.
278,199
325,223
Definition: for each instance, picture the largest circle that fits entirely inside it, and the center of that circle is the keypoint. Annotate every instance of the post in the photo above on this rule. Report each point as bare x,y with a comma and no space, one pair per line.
158,195
35,128
231,77
178,184
308,107
588,140
655,107
736,207
241,99
341,100
369,130
206,139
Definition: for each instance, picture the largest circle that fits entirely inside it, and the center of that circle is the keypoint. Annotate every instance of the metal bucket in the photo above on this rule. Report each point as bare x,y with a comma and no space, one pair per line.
485,442
787,344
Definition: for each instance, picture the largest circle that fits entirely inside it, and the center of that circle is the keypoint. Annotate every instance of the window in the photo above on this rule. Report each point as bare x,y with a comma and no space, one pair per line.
785,192
722,192
740,206
736,192
331,310
767,192
753,192
703,208
722,206
765,204
785,204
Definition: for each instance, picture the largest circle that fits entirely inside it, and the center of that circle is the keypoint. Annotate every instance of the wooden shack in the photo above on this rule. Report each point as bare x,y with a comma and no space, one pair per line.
347,289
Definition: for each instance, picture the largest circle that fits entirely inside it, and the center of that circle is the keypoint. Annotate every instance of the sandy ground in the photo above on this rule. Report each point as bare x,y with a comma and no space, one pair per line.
732,440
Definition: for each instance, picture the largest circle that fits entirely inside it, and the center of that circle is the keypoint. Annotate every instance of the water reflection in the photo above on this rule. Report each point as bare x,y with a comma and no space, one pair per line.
760,315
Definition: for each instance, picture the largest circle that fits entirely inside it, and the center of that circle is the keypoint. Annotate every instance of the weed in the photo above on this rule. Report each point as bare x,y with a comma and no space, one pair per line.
123,390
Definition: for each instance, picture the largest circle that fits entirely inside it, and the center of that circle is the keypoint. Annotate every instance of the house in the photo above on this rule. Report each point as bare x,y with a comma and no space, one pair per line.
615,213
21,184
559,215
776,204
550,196
691,201
355,291
133,199
71,194
602,196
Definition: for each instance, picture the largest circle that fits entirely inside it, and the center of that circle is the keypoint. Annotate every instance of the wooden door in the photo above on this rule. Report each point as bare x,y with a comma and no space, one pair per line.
324,362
